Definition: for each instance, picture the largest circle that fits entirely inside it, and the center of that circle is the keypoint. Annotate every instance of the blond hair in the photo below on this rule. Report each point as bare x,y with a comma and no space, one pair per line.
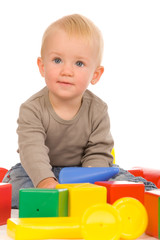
79,26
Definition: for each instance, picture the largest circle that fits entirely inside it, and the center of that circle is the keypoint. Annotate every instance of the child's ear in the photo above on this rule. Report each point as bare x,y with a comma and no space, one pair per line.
97,75
40,66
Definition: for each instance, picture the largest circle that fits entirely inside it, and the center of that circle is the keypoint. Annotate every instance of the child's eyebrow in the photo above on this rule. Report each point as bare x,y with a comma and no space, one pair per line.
55,53
83,58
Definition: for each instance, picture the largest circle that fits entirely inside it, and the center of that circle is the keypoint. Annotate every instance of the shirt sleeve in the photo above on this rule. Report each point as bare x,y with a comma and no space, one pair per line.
31,138
98,150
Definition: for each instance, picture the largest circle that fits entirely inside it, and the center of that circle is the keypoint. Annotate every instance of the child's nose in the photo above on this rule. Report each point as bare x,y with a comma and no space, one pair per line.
67,70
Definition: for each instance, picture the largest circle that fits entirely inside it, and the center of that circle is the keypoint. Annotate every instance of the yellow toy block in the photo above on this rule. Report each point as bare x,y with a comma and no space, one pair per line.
83,195
113,154
101,221
127,219
44,228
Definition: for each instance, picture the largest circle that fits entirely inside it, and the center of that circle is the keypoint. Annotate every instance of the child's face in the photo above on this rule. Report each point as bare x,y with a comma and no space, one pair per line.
68,65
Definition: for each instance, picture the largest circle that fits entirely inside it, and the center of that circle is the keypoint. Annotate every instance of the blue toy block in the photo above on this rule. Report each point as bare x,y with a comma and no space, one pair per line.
86,174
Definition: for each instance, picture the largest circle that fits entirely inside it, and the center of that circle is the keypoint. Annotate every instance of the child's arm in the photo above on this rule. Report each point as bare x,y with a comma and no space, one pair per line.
47,183
98,150
32,148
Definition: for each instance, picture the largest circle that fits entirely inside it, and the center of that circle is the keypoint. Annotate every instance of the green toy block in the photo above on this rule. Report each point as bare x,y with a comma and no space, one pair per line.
35,202
63,202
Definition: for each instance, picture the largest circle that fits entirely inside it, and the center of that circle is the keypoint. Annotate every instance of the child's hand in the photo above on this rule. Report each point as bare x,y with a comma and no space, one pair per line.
47,183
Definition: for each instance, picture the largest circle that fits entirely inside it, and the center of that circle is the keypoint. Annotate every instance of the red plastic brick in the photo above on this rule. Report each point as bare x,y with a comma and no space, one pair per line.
119,189
152,175
3,171
152,205
5,202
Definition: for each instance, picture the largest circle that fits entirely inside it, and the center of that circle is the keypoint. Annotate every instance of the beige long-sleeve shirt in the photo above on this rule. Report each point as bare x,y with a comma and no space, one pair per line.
46,140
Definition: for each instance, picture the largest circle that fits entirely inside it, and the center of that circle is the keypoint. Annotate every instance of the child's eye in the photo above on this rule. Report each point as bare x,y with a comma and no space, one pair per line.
57,60
79,64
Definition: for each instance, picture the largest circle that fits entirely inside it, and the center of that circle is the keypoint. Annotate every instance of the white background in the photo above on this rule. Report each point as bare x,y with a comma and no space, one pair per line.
130,84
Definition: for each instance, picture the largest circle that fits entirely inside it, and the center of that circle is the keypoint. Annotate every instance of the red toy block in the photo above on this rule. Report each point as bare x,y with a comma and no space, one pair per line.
120,189
3,171
5,202
152,175
138,172
152,205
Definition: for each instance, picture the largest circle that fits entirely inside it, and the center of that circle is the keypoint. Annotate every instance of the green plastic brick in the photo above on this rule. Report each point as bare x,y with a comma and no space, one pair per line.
63,202
34,202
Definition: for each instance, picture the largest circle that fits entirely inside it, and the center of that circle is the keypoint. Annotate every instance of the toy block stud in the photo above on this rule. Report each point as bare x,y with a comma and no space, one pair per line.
83,195
152,205
119,189
86,174
36,202
5,202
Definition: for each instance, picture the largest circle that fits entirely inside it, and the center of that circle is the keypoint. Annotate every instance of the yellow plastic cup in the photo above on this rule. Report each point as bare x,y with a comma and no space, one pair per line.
101,221
134,217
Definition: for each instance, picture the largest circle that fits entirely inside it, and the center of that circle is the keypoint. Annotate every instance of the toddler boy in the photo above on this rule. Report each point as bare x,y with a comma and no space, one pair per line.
64,124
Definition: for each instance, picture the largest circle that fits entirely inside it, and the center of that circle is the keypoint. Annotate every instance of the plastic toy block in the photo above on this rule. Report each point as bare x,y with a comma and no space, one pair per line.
126,219
100,221
152,205
5,202
3,171
152,175
44,228
63,203
86,174
134,217
83,195
120,189
34,202
136,172
113,154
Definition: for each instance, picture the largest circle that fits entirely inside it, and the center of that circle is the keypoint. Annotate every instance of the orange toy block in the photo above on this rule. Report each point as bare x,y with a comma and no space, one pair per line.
120,189
5,202
152,205
83,195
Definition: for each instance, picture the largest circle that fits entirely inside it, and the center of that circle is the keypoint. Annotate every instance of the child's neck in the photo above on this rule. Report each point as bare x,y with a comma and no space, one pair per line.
65,109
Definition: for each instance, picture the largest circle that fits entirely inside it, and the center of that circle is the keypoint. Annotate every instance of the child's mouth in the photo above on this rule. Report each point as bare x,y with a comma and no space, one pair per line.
65,83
